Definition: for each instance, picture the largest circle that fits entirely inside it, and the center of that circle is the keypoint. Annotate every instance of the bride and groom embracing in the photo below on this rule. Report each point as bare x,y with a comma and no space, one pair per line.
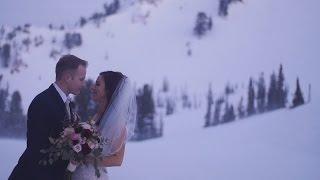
51,110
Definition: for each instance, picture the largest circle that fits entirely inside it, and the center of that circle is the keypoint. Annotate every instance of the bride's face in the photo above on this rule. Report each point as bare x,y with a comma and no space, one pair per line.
98,90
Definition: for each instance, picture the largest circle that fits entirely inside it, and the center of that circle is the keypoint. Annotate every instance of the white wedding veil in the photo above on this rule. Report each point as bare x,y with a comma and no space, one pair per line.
118,122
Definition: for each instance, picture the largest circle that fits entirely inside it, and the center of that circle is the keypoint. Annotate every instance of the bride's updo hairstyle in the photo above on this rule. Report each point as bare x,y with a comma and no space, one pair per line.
111,80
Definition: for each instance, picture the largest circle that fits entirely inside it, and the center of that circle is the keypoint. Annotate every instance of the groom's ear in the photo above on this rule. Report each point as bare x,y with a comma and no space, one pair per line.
65,77
68,76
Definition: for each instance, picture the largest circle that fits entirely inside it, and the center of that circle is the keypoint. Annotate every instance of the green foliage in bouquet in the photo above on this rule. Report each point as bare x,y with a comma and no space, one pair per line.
78,142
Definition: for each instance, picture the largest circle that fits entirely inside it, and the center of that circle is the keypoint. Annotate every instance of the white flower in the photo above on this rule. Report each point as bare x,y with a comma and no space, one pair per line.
68,131
77,148
85,125
92,121
91,145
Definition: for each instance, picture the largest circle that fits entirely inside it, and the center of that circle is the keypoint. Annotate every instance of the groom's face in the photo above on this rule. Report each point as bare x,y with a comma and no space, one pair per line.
77,80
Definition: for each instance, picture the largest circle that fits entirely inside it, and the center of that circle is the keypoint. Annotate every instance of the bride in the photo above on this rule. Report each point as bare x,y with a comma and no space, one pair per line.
115,118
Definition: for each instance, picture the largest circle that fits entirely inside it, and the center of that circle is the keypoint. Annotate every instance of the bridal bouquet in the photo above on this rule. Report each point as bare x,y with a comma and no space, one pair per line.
76,143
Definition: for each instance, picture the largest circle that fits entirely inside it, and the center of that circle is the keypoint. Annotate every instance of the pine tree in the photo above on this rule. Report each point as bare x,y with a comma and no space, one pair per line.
309,93
272,94
223,7
149,106
165,86
112,8
209,106
150,111
170,106
82,21
139,123
232,115
15,105
3,113
225,117
241,110
72,40
6,54
160,130
185,100
16,121
228,89
217,110
146,113
298,97
203,24
281,91
261,94
251,97
3,98
228,114
85,106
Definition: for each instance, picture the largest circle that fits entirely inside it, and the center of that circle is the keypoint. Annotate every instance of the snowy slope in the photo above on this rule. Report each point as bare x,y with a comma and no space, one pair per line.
278,146
275,146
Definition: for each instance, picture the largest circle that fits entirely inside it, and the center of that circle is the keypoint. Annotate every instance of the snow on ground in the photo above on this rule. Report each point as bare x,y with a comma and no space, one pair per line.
282,145
278,146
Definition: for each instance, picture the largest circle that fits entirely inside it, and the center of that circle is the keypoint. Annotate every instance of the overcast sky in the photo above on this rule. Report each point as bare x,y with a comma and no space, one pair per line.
43,12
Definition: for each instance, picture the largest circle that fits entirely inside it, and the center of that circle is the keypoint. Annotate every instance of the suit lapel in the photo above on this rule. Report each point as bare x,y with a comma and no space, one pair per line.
57,99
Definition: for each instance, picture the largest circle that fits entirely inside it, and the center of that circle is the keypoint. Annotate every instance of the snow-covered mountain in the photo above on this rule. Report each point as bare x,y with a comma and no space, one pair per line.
151,41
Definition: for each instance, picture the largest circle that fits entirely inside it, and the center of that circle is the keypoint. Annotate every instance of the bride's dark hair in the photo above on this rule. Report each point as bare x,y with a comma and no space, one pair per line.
111,80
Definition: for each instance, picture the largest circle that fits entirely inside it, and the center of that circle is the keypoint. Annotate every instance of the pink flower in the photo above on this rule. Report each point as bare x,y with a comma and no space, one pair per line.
68,131
75,136
91,145
83,140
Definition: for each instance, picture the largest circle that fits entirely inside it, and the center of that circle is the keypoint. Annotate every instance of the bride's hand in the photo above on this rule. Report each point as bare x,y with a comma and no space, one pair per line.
72,166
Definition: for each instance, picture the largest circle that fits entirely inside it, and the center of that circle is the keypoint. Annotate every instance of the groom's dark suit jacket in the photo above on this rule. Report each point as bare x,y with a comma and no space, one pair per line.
46,115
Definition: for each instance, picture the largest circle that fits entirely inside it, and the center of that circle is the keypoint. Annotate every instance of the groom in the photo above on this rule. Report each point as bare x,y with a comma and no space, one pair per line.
46,115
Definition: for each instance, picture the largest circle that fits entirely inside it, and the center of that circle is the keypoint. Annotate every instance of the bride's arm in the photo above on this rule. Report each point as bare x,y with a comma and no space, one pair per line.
115,160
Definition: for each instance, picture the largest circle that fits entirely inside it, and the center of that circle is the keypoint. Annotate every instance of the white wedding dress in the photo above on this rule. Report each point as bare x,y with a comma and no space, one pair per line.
120,115
84,172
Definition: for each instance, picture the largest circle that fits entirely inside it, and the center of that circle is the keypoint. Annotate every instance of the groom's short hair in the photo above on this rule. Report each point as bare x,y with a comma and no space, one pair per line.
67,63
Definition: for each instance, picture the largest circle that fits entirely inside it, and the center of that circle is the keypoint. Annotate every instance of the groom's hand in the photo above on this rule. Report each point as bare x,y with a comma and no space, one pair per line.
67,175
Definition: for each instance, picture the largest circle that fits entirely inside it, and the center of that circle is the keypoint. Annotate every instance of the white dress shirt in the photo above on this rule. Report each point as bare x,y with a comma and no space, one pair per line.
61,93
66,99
